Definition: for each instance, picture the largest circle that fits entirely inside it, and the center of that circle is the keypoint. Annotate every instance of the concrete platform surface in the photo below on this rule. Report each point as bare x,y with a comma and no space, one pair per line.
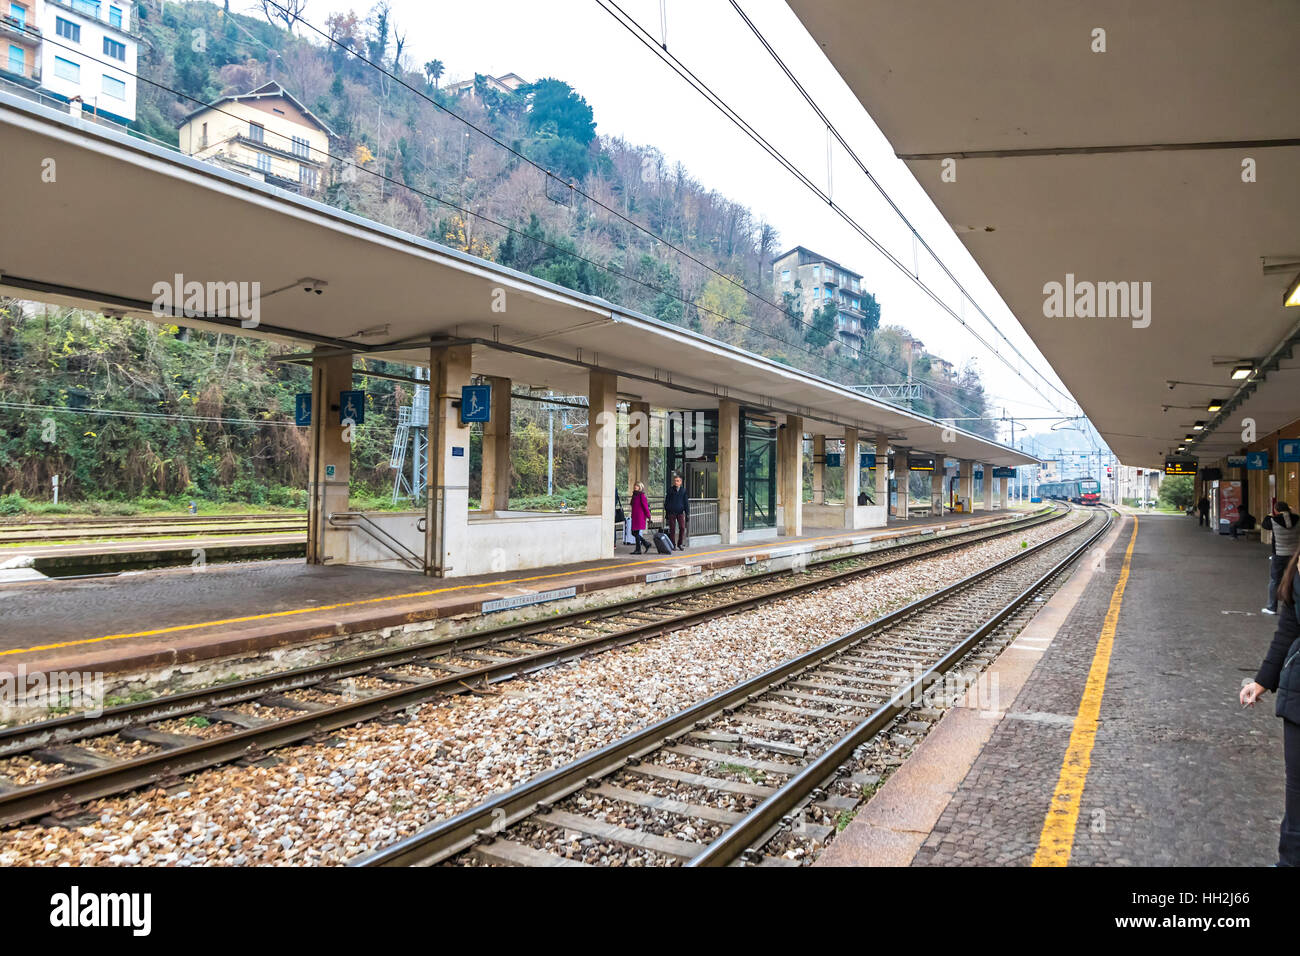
159,618
1177,773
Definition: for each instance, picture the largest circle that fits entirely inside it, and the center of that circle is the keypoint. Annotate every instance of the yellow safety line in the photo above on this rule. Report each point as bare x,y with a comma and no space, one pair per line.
391,597
1057,839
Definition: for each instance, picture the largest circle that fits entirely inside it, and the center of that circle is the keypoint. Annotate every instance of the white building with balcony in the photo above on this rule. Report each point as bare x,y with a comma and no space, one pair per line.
89,55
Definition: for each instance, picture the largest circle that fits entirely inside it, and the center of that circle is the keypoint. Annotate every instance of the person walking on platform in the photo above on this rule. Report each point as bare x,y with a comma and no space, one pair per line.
1203,509
1286,535
677,512
640,515
1280,672
1245,522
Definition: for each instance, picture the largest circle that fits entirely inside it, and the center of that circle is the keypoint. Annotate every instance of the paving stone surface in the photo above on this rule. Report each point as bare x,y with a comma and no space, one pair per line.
1180,774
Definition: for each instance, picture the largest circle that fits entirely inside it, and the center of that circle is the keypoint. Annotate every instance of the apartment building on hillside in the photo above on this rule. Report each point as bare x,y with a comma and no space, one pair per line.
822,281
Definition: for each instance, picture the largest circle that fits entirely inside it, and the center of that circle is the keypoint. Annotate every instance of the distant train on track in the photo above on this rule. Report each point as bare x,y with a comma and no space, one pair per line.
1082,491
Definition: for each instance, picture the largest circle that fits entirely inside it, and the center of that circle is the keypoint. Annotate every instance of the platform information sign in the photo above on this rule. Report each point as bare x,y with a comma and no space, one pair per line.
832,459
1004,473
1257,461
475,403
1288,450
1180,466
915,463
302,409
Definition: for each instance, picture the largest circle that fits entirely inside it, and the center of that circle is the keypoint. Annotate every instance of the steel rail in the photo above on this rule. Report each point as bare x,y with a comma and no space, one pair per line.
77,727
753,829
62,793
456,834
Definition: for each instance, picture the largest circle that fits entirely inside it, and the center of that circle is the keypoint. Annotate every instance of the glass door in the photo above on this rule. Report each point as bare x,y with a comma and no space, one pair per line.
757,472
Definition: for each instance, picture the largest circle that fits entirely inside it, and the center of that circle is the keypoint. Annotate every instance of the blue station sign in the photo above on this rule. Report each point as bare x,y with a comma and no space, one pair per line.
475,403
352,408
1288,450
302,409
1257,461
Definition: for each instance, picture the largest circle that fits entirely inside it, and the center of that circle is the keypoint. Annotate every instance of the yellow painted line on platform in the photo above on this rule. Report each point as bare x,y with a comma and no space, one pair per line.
269,615
1056,841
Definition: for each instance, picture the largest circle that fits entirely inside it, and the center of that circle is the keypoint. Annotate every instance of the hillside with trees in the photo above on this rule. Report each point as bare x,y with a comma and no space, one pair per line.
210,415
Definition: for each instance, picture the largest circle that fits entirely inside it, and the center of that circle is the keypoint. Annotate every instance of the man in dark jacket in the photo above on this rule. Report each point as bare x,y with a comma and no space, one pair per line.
677,512
1203,506
1275,675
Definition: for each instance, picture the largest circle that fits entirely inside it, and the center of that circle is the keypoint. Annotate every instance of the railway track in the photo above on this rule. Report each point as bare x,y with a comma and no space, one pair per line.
48,769
735,779
49,531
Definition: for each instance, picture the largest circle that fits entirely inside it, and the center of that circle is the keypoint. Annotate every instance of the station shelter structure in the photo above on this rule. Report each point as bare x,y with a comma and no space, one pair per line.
342,287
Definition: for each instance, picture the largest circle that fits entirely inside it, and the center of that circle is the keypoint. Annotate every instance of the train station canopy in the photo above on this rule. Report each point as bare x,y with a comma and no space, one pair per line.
1173,157
122,215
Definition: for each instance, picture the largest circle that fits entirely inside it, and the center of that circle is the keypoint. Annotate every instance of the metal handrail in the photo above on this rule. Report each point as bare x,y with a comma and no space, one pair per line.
403,553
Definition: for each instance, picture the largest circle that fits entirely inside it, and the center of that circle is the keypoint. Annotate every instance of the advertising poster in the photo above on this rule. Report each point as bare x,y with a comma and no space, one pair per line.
1229,500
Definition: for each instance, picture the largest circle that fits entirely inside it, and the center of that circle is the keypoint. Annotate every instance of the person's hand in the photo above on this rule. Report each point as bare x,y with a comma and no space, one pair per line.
1250,693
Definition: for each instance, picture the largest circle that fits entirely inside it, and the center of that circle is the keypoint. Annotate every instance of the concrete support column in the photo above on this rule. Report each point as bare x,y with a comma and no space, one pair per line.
789,452
901,475
446,531
986,488
494,493
819,470
638,448
1005,484
852,476
330,467
729,471
882,471
602,445
966,482
937,496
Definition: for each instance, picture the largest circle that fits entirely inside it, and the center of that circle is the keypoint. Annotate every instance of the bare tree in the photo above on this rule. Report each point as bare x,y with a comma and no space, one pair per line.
399,41
288,12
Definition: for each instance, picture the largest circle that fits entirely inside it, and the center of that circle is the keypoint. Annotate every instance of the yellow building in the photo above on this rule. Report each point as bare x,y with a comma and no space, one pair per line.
266,134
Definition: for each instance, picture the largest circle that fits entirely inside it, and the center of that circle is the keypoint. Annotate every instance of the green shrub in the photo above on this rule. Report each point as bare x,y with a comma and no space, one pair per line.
13,504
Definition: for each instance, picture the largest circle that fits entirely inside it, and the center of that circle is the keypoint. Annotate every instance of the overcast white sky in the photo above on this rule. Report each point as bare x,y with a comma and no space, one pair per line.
636,96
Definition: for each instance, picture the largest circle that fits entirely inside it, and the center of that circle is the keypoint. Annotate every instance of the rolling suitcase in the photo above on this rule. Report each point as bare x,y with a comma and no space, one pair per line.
663,543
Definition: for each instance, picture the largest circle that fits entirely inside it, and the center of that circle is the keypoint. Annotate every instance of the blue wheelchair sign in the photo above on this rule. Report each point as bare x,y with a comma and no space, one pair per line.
302,409
352,408
475,403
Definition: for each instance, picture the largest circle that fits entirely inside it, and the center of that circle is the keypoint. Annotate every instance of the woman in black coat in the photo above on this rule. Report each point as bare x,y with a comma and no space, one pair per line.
1281,672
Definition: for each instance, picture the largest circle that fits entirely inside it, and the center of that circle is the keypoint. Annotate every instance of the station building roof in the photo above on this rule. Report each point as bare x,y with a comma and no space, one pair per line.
1118,166
124,214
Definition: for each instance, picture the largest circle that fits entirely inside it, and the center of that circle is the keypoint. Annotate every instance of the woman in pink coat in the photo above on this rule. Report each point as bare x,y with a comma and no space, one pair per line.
640,514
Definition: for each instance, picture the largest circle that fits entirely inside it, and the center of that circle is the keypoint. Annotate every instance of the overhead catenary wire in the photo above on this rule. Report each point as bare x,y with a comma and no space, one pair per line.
639,32
578,191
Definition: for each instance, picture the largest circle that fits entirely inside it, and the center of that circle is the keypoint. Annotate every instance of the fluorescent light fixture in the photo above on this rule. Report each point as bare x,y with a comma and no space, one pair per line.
1242,371
1292,296
1215,405
1198,426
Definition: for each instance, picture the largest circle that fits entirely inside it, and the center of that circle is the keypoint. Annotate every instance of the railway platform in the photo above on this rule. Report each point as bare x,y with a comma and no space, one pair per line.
1113,736
183,616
